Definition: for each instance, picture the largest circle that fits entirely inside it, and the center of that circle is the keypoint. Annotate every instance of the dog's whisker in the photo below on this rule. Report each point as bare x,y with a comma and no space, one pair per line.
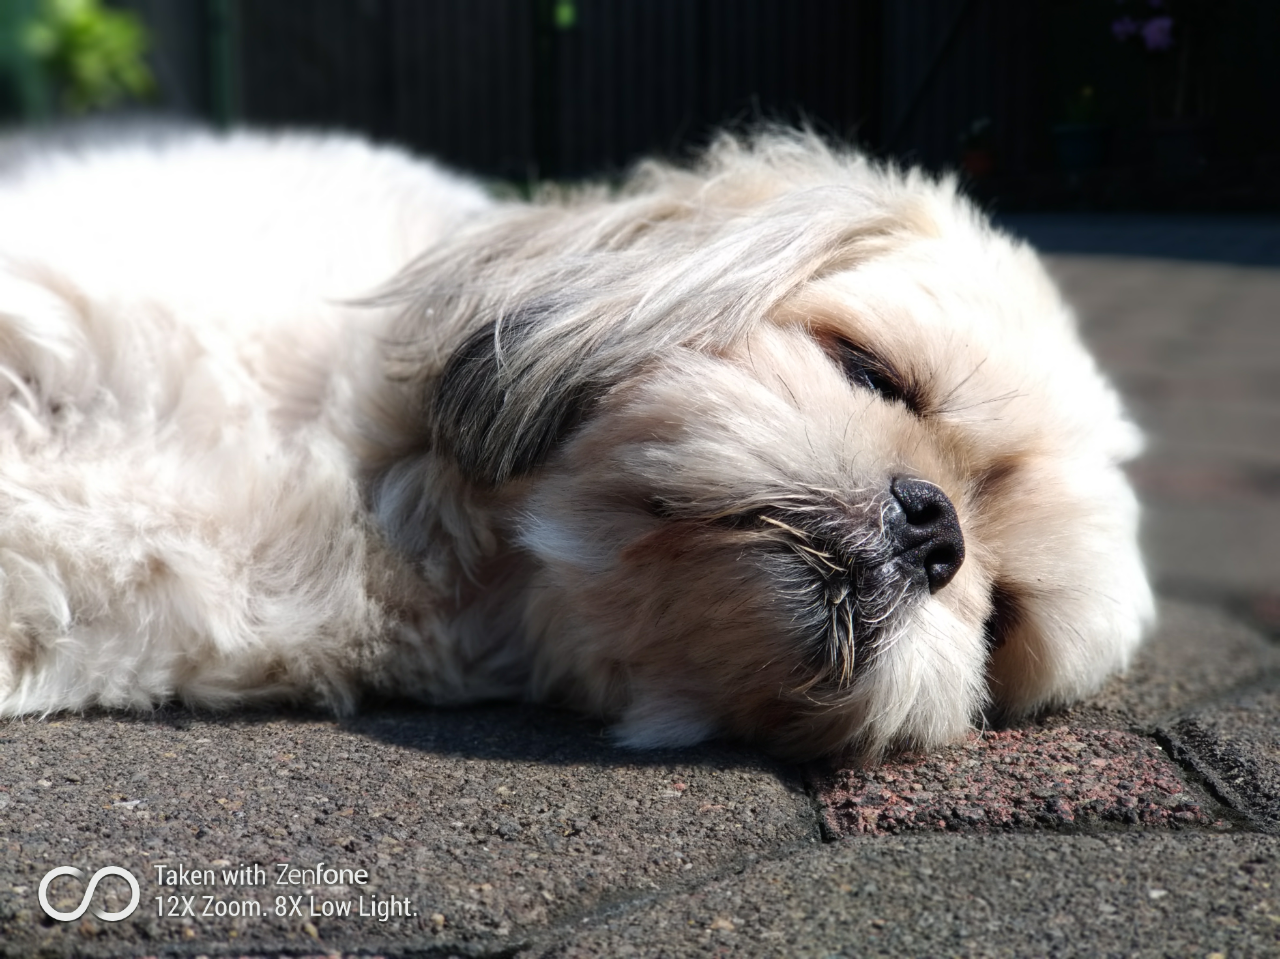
786,527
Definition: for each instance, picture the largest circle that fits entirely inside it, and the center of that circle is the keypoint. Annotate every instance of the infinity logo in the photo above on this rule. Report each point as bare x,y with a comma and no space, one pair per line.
77,912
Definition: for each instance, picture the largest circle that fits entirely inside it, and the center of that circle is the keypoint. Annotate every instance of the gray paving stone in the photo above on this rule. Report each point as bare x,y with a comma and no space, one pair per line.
1137,894
1213,549
1214,431
1238,239
1196,654
1196,349
492,822
1236,745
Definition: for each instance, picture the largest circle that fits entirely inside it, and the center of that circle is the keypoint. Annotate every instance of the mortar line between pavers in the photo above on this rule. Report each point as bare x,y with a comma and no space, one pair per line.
1208,780
809,776
556,934
1185,757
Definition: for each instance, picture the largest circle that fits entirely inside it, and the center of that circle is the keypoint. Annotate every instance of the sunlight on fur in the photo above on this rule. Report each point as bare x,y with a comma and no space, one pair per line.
785,445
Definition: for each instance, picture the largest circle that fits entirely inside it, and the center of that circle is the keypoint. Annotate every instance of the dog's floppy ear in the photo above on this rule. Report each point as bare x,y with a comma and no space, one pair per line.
513,334
508,337
517,326
497,425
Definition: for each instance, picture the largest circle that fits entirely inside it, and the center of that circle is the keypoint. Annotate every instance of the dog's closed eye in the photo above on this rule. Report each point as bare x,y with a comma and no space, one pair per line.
868,371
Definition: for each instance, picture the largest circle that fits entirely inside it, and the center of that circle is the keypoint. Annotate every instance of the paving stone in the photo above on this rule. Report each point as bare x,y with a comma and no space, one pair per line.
1163,305
1088,765
1248,240
1179,479
491,822
1212,431
1196,654
1141,895
1030,778
1196,351
1187,546
1236,745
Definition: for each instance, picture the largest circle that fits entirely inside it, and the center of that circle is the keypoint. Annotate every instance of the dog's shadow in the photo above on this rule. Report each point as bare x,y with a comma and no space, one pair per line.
491,732
527,733
499,732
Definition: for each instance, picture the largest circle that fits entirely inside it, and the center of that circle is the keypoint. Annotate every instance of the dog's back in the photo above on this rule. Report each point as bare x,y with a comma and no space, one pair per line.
176,517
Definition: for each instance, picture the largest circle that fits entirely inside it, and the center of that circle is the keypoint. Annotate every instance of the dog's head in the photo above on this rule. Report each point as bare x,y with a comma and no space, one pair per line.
801,449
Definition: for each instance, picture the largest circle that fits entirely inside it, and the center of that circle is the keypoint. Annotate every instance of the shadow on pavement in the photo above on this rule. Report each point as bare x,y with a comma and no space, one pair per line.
518,732
509,732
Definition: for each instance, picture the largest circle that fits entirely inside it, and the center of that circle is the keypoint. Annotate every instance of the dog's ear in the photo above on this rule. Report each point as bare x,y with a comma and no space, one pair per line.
501,412
515,328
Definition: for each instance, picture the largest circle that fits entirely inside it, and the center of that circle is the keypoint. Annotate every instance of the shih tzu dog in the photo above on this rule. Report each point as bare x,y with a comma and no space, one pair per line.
786,445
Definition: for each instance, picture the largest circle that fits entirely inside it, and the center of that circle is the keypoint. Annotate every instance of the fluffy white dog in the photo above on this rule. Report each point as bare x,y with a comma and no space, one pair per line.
786,445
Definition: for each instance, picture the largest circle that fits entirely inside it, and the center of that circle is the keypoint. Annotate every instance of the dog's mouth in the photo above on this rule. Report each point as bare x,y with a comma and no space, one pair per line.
839,574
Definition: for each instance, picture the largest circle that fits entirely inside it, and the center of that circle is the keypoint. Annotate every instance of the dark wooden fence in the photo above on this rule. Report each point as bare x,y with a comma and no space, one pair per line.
520,89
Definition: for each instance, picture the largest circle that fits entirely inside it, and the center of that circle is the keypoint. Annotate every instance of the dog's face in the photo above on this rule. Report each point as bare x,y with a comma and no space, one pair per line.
841,488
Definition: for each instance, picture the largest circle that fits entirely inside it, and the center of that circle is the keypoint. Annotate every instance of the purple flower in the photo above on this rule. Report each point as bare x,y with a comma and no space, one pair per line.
1124,28
1157,33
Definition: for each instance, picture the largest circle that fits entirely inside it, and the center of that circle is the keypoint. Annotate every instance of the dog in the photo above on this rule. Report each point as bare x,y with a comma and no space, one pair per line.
783,444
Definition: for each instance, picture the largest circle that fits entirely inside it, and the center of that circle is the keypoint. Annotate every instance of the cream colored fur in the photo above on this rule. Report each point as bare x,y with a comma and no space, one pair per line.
298,418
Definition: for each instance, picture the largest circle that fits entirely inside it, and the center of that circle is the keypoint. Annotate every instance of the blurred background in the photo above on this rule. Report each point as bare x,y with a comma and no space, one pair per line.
1043,104
1137,142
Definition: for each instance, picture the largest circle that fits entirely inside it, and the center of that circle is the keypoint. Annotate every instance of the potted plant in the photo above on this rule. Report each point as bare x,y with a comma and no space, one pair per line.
92,56
1079,141
977,149
1174,37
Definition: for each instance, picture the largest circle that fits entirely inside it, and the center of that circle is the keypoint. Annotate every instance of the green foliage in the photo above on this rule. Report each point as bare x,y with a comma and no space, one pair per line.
94,56
1082,106
565,14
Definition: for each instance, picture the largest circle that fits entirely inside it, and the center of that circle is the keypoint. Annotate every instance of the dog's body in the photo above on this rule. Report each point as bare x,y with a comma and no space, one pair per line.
787,446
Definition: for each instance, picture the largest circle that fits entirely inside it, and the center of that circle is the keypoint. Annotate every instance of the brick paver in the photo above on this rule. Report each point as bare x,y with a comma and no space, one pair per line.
1016,779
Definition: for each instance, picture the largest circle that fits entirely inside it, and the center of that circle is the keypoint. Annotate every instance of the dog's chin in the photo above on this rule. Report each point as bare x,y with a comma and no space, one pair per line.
765,633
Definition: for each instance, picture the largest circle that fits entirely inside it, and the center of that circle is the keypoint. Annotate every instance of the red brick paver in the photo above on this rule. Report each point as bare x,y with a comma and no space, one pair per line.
1016,778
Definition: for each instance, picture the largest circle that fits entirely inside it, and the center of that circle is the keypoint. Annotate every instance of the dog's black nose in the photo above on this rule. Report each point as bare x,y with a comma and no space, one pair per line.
926,528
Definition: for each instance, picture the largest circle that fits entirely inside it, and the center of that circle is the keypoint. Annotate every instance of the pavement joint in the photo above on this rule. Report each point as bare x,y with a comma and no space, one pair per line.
1233,745
1234,808
619,909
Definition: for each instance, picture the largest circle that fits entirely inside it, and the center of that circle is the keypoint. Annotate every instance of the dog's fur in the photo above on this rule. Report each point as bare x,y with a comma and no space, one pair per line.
294,417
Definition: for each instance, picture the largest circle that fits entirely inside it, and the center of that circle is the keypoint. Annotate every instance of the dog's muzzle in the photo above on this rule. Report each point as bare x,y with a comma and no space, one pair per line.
928,543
